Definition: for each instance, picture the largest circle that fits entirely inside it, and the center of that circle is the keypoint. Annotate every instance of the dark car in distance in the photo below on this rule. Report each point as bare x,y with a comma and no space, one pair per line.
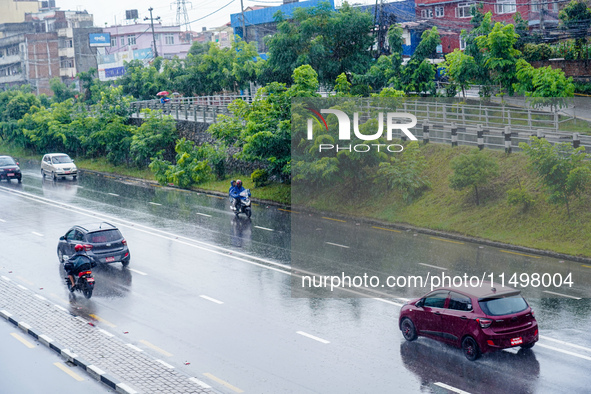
102,242
9,169
477,319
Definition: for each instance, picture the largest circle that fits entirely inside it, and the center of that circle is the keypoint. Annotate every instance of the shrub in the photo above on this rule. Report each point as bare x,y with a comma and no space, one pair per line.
533,52
259,177
521,197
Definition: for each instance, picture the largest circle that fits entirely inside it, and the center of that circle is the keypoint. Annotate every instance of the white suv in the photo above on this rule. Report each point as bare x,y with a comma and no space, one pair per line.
58,165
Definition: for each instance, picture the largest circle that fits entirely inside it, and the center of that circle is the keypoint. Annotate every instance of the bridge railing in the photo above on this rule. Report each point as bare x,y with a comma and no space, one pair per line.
198,109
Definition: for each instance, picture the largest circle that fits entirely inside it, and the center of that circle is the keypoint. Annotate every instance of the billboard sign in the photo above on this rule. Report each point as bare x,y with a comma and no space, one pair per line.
100,39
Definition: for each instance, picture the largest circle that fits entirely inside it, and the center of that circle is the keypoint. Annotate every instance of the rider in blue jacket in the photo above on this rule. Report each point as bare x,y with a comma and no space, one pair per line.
235,192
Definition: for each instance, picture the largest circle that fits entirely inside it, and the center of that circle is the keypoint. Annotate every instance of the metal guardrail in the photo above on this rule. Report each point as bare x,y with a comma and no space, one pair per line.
490,126
197,109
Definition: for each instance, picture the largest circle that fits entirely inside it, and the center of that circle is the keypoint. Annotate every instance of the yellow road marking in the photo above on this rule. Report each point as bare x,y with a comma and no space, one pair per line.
22,340
254,203
108,323
336,220
521,254
221,198
67,370
286,210
220,381
387,229
154,347
586,266
25,280
447,240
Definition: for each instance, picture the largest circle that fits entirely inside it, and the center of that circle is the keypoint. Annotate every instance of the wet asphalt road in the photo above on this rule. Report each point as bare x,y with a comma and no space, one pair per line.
212,295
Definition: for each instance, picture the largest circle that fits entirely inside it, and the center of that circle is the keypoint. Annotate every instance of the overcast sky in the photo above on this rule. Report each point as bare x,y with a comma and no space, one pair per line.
107,11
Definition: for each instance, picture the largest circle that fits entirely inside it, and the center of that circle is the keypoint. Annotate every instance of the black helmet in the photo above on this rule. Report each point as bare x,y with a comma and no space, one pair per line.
238,183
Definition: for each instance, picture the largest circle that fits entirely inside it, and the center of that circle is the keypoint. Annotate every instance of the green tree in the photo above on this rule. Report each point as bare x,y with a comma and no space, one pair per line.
474,169
544,86
330,41
562,169
405,173
155,136
190,168
500,55
141,82
419,74
61,91
461,69
482,26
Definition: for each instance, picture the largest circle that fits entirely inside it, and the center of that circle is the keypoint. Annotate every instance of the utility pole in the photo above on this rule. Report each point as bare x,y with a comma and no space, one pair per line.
153,34
243,22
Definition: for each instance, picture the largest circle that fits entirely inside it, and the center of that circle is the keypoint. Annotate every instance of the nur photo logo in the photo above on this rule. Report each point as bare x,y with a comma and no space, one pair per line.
345,130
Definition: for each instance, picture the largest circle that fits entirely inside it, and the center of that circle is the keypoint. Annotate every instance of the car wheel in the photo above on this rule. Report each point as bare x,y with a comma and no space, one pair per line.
53,176
528,345
409,332
19,180
74,177
42,174
125,263
60,255
470,348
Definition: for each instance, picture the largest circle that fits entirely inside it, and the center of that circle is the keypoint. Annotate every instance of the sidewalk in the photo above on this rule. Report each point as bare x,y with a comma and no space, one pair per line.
106,358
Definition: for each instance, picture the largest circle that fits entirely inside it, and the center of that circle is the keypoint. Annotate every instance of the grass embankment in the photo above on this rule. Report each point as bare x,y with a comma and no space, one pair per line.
543,226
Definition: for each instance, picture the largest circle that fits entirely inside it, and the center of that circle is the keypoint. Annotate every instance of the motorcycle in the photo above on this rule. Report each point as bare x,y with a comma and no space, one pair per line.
243,204
84,282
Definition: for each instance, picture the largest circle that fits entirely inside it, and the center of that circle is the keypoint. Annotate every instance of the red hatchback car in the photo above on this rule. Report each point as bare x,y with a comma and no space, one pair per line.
477,319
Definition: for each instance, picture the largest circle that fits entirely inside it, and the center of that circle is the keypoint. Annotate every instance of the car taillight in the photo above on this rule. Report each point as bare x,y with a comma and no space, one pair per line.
124,242
490,343
533,314
126,254
536,333
88,247
484,323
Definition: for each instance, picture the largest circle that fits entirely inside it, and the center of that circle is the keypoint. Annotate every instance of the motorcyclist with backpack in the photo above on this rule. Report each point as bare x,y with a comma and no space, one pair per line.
77,263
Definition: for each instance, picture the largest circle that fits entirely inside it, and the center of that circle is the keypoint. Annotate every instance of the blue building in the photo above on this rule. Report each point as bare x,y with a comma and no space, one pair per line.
259,23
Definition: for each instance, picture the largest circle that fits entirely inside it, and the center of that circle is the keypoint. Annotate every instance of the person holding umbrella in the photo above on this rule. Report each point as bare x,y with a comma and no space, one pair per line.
163,98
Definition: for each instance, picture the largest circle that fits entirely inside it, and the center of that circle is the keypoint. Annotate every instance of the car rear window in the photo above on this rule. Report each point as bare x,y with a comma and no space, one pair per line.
104,236
503,306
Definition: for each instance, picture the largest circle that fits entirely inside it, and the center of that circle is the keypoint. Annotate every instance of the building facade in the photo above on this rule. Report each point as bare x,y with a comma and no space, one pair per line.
136,42
453,16
12,11
48,44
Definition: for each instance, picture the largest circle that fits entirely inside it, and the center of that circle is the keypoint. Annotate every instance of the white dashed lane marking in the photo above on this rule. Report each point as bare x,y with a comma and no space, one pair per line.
312,337
211,299
433,266
340,246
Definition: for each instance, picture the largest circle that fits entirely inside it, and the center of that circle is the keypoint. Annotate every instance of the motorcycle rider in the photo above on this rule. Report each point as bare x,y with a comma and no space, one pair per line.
76,264
235,193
